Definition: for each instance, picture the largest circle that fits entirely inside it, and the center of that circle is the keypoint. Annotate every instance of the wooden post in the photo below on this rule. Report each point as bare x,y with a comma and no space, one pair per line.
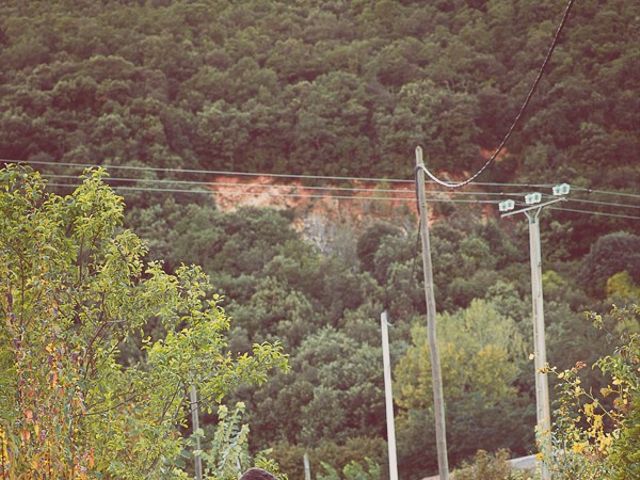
436,374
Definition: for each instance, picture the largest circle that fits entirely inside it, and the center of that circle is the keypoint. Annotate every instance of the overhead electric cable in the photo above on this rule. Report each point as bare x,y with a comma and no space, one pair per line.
259,174
597,202
347,197
605,192
270,194
591,212
509,184
252,174
207,172
517,118
283,186
588,201
236,184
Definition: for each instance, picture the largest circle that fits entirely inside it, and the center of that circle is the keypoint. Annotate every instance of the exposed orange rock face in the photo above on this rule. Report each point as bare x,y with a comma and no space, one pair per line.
356,201
325,214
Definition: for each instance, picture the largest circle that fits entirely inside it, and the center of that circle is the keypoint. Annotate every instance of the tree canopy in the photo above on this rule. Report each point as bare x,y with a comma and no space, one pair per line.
75,289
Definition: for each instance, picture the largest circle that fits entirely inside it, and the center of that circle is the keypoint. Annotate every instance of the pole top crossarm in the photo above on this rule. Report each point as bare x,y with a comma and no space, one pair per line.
533,207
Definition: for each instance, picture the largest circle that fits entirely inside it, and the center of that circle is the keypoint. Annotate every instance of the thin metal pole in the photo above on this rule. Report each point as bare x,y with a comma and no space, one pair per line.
195,420
543,411
438,397
388,397
307,467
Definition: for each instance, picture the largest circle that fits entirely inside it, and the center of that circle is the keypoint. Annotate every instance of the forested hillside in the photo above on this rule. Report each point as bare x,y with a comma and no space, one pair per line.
321,87
349,88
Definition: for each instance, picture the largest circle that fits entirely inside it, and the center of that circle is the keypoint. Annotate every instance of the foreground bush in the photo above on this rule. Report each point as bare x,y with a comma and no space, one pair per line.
597,434
74,291
490,467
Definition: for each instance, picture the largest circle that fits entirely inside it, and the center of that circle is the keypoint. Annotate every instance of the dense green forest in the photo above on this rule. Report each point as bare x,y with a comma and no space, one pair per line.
349,88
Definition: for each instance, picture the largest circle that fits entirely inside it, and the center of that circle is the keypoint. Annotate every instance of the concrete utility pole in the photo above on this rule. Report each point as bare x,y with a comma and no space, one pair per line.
307,467
195,420
436,374
388,397
543,410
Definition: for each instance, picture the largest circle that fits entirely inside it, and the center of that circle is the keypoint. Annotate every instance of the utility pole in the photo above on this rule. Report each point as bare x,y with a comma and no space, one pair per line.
388,397
436,374
307,467
195,420
543,410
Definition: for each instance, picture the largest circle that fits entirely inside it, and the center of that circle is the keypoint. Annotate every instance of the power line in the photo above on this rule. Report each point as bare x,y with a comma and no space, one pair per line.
271,194
253,174
591,212
591,202
283,186
516,120
509,184
208,172
259,174
605,192
572,199
585,200
235,184
597,202
347,197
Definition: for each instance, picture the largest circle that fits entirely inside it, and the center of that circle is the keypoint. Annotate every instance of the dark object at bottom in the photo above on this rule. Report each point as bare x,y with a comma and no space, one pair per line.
257,474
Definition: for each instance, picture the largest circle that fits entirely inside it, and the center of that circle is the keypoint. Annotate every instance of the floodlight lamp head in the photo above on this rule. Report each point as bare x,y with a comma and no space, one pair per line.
561,189
533,198
506,205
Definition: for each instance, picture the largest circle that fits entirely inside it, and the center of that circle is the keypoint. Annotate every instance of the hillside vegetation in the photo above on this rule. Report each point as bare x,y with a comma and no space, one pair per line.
321,87
350,88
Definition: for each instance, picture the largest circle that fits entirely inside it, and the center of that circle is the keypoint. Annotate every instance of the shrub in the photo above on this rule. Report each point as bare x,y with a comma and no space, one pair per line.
486,466
597,434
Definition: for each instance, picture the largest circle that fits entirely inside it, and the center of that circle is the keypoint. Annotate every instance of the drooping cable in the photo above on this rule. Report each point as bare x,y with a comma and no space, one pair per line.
519,115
